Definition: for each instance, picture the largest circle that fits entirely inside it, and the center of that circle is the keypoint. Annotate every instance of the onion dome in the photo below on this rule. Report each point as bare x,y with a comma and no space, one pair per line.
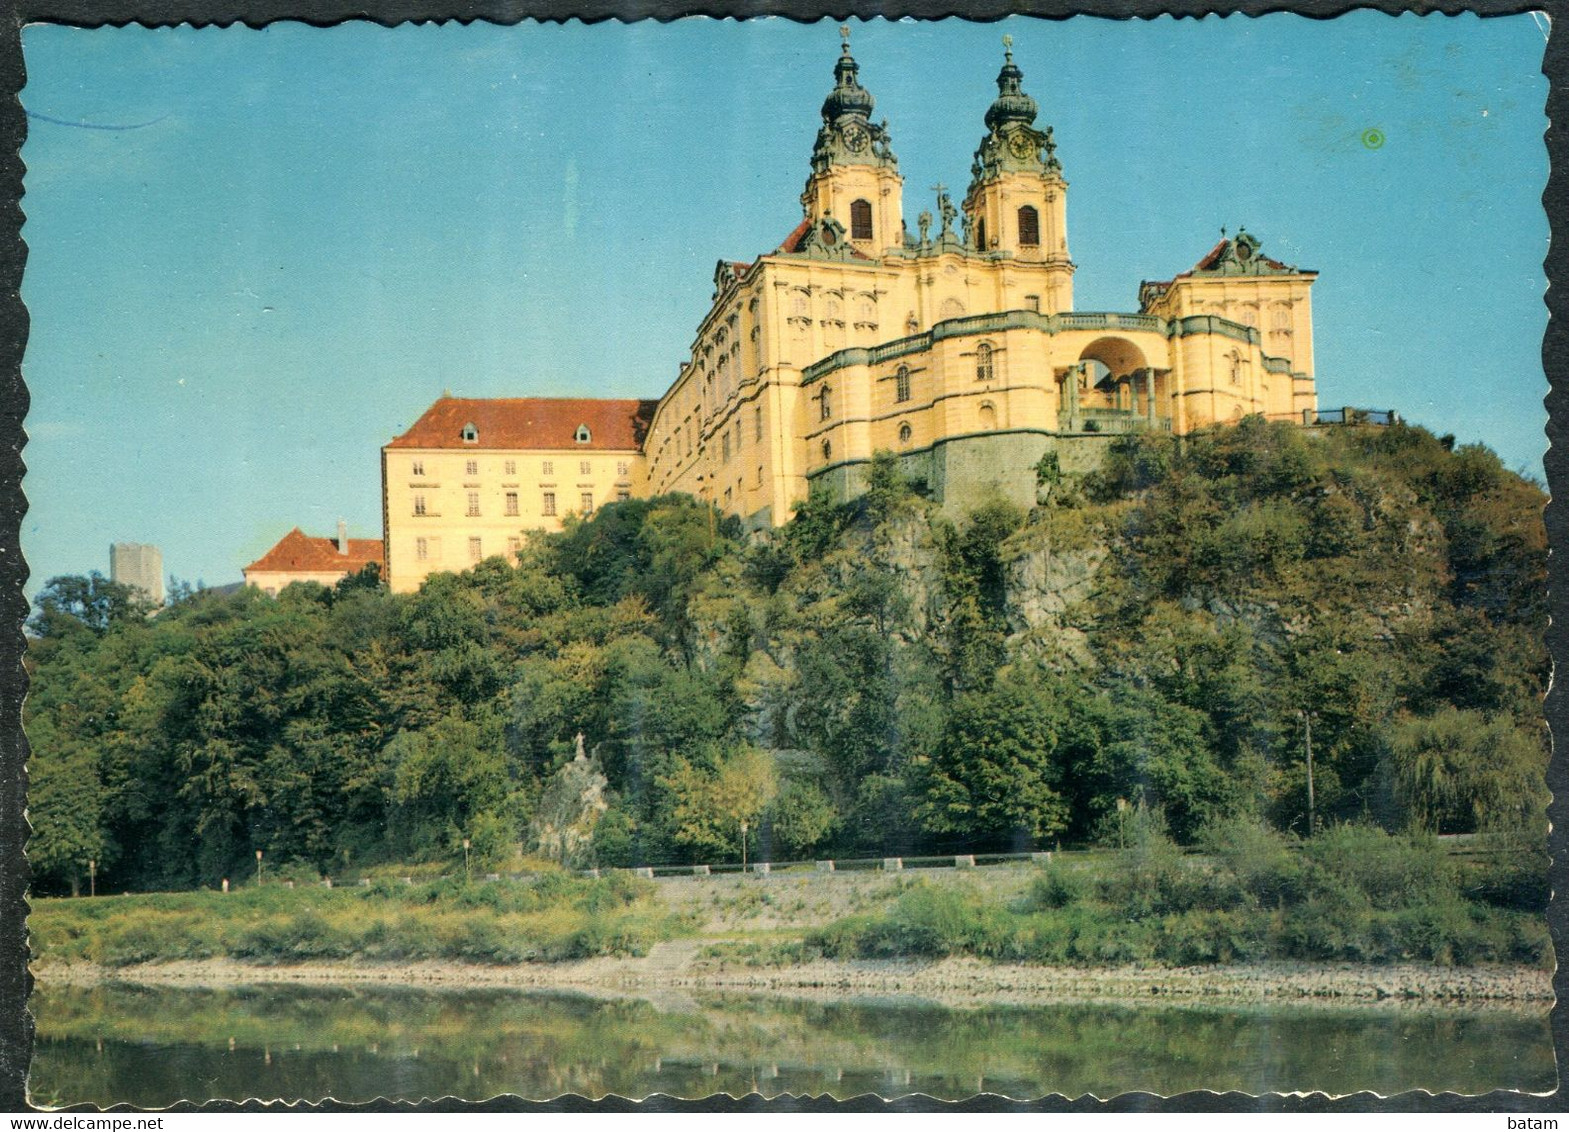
1012,104
848,95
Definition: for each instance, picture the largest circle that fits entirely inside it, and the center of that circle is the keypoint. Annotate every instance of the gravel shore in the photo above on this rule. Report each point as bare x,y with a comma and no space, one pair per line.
950,981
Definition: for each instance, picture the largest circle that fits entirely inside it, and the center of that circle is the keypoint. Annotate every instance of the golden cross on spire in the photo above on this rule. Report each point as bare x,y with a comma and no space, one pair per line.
844,33
1007,42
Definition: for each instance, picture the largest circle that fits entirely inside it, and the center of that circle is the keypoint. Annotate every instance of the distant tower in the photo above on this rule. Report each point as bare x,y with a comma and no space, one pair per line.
139,566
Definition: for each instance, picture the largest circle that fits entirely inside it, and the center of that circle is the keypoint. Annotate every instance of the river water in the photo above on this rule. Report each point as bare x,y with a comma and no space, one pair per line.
154,1046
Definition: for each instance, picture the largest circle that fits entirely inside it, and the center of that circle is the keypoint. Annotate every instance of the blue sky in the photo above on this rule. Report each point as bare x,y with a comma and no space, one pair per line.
312,232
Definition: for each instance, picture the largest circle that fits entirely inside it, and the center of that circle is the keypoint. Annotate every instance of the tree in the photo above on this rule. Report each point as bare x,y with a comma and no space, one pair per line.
887,488
445,778
1153,752
64,808
802,817
995,772
710,802
1462,771
91,602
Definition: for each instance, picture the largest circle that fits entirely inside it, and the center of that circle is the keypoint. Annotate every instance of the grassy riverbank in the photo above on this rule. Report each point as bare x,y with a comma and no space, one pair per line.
550,918
1352,895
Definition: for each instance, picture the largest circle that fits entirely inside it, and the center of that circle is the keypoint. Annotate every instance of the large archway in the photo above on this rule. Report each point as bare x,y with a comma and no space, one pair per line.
1120,357
1115,376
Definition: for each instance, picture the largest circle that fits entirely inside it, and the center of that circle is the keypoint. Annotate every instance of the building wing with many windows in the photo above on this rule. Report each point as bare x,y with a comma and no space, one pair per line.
472,475
956,347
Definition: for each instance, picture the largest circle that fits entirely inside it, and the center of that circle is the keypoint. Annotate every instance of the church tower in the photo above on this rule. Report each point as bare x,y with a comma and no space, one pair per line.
855,183
1017,201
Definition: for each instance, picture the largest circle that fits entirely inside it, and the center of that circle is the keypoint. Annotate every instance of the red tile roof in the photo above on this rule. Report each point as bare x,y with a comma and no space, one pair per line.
792,242
1209,261
300,553
797,237
1211,258
531,422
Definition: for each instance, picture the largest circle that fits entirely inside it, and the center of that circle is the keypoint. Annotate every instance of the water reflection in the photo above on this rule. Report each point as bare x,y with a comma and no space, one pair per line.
154,1046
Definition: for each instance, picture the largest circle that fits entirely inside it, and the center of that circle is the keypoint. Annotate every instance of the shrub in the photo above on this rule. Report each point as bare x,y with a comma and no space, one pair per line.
1265,865
1387,871
1054,886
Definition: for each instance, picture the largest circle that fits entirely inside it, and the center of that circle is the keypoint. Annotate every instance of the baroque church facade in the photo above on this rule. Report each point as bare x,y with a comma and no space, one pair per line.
955,346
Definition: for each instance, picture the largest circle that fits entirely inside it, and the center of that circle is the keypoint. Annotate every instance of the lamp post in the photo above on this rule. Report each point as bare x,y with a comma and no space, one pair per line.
258,867
467,876
92,877
743,844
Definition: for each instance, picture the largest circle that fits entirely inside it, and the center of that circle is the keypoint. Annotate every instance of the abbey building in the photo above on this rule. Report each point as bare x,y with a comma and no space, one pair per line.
954,345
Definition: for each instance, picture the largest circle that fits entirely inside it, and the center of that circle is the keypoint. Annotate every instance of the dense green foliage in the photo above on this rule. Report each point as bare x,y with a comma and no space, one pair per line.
1353,894
555,917
871,679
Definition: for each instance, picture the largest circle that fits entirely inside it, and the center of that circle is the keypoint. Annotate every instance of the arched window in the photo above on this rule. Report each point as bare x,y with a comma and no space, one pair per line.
798,304
826,407
583,436
983,362
980,233
470,434
860,220
904,434
988,416
1029,227
901,384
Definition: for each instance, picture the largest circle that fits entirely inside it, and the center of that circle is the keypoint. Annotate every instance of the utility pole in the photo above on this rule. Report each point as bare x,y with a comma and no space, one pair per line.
467,875
743,844
258,867
92,877
1307,722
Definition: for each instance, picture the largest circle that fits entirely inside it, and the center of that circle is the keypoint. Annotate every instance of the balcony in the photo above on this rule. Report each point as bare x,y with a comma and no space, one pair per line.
1113,421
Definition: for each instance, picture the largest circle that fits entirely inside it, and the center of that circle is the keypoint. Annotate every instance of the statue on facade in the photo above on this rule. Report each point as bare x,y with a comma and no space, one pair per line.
924,223
946,210
882,146
968,227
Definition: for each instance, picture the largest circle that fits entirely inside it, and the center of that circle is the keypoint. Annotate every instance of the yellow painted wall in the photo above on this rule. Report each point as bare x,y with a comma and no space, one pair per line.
427,496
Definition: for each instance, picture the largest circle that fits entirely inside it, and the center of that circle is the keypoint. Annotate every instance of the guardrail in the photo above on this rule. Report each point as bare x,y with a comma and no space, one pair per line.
836,865
1462,845
1350,416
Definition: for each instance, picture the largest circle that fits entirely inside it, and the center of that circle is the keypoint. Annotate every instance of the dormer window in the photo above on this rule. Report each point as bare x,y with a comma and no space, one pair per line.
470,434
583,436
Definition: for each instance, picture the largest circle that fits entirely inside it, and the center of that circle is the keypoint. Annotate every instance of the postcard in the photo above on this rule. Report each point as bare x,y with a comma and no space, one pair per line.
929,560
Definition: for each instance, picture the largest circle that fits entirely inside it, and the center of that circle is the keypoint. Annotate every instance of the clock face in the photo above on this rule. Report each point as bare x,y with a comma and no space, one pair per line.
1023,148
855,139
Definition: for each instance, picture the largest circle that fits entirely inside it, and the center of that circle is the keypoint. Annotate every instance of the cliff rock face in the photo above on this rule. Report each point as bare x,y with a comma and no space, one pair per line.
1045,588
